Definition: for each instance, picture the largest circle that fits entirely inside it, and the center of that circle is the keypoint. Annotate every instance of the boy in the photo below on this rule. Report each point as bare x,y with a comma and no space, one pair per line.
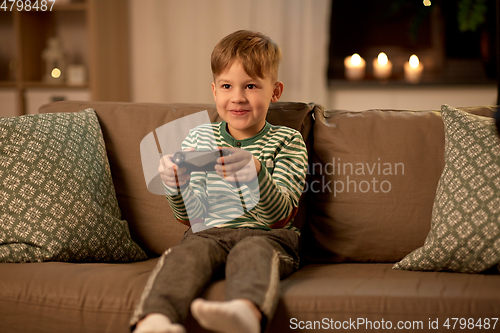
255,246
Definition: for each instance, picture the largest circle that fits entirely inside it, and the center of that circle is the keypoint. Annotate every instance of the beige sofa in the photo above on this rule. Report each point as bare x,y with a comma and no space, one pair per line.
356,224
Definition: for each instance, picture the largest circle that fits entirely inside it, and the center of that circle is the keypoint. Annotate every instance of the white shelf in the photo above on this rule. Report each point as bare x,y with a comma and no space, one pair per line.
8,102
36,97
418,97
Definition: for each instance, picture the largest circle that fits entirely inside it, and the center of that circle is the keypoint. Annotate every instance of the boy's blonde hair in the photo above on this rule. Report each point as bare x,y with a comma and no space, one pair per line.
259,54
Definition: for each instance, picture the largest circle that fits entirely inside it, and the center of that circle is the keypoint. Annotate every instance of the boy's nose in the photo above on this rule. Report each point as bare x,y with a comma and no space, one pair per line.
238,96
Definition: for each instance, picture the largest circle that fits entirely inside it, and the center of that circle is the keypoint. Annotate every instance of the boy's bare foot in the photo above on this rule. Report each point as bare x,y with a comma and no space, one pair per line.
158,323
239,315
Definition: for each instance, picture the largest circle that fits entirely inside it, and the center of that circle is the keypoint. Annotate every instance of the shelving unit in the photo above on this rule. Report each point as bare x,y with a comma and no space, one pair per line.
93,33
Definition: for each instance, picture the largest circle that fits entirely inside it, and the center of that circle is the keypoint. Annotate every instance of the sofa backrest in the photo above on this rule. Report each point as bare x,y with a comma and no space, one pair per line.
124,125
371,184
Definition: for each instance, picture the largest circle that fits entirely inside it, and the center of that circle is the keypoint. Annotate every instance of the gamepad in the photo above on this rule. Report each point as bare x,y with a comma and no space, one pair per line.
166,140
199,160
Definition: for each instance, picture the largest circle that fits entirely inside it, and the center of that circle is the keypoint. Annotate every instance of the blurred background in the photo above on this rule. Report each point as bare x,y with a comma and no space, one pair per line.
158,51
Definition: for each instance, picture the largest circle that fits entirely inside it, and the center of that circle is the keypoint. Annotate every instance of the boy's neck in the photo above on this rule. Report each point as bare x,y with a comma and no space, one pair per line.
242,135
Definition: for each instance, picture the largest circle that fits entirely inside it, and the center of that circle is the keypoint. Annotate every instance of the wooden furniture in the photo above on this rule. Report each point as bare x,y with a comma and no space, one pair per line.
93,33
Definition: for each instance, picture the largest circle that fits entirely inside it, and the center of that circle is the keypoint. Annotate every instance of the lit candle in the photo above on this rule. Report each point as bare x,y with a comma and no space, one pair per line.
382,67
354,67
413,69
55,73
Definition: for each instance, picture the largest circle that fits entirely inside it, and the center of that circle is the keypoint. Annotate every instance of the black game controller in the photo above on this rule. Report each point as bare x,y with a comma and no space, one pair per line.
199,160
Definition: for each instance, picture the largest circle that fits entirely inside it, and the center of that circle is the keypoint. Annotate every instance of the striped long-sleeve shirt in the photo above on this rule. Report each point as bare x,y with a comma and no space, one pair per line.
268,202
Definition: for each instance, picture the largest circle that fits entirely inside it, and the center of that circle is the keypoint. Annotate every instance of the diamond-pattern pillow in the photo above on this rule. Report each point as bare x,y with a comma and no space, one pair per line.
57,199
465,227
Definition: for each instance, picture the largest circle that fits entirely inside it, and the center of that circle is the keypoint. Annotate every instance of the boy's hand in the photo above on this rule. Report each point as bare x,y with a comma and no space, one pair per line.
170,173
241,166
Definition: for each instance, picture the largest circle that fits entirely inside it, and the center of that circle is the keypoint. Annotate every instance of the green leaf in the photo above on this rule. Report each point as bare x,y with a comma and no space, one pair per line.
471,14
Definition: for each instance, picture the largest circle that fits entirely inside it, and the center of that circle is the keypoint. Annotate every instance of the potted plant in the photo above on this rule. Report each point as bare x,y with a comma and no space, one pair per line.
472,16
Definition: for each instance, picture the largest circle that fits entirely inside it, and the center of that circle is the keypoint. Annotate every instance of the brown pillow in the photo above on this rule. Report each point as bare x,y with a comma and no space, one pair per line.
373,178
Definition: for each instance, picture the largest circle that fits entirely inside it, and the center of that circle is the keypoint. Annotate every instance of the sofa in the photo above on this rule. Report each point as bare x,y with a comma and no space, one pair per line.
367,204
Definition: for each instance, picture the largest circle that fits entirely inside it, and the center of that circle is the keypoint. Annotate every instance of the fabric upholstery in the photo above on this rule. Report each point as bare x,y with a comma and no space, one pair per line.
57,199
106,295
372,183
465,233
375,292
63,297
53,296
373,193
124,125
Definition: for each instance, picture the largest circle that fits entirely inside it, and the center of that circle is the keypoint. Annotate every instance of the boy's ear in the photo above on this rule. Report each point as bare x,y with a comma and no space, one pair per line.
214,92
278,90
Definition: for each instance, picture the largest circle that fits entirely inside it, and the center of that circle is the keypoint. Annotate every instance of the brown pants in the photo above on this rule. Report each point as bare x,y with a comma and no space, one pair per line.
253,261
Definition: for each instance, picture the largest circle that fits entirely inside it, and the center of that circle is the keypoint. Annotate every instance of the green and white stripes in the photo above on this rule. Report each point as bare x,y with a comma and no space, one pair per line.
269,201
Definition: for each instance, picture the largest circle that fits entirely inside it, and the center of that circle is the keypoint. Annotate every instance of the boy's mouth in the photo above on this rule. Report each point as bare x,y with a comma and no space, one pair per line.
239,112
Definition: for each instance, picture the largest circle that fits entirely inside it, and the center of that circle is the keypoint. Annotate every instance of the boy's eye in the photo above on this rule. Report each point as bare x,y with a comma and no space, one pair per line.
226,86
251,86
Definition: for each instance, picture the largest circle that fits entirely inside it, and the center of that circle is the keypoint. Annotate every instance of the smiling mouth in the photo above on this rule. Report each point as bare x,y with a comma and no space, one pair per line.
239,112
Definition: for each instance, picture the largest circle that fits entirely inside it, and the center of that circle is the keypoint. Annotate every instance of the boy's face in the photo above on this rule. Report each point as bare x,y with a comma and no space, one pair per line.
242,101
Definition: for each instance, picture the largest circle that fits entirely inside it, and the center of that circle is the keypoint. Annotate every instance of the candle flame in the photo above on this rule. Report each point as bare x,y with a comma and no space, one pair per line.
355,59
56,73
427,3
382,58
414,62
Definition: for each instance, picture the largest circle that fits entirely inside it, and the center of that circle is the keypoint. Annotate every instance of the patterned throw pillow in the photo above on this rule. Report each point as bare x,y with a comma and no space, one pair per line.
465,229
57,199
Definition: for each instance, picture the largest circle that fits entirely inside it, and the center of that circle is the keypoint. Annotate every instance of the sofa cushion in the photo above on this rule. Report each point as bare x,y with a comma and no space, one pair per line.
465,233
124,125
67,297
373,178
57,200
327,295
80,298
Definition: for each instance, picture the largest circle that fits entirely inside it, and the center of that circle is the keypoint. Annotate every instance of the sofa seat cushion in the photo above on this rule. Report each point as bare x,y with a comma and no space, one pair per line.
375,291
67,297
